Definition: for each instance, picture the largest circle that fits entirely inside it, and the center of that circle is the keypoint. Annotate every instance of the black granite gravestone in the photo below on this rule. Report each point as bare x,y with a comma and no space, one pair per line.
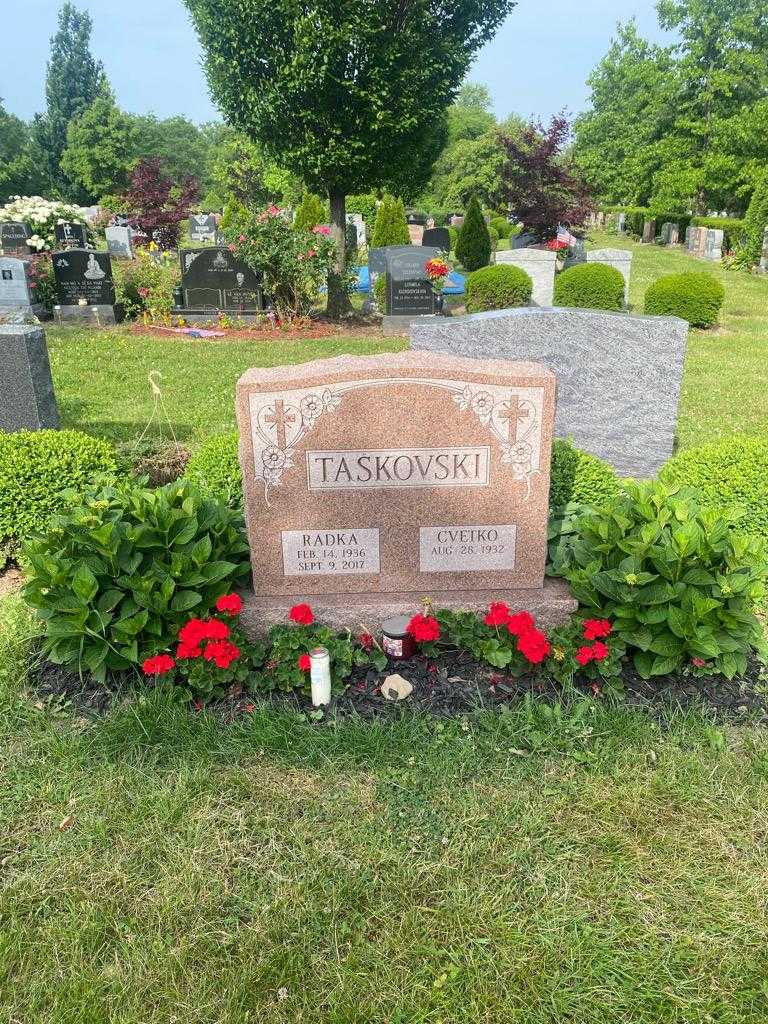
202,227
71,235
27,400
440,238
215,280
83,274
524,239
409,291
13,238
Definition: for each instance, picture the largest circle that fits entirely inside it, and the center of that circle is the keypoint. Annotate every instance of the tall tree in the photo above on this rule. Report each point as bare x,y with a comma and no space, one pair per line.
541,186
72,82
184,148
349,94
20,171
101,147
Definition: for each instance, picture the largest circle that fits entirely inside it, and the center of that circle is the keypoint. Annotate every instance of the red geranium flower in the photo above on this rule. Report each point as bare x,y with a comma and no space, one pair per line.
599,650
188,650
520,623
223,652
304,662
584,655
321,229
498,614
533,645
158,665
229,604
366,641
215,629
423,628
698,662
192,632
301,614
595,628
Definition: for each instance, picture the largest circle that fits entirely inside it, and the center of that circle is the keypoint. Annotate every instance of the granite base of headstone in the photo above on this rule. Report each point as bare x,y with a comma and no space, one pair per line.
540,265
85,288
27,399
214,281
618,376
17,300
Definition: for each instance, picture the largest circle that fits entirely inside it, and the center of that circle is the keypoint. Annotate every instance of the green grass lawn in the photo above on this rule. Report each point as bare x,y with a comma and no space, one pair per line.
521,868
101,377
540,866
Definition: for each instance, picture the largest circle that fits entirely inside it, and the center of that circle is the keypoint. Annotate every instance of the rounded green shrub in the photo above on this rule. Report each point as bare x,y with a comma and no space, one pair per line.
215,469
473,248
731,476
501,225
579,476
38,468
590,286
694,296
499,287
117,575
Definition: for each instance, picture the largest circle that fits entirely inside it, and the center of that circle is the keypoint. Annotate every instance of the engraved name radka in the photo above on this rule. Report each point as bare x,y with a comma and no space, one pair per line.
398,467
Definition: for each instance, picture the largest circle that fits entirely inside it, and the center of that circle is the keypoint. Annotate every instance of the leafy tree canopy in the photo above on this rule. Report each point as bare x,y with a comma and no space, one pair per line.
101,144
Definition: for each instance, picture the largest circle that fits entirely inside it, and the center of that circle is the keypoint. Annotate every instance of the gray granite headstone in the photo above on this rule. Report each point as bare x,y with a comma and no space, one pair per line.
764,255
539,265
621,223
713,249
27,401
666,232
119,241
618,376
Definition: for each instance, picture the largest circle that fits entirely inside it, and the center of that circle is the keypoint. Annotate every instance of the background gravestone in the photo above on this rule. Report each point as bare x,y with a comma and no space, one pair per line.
13,238
357,220
119,242
713,249
213,279
440,238
82,274
539,265
618,376
27,400
202,227
70,235
523,239
16,295
649,230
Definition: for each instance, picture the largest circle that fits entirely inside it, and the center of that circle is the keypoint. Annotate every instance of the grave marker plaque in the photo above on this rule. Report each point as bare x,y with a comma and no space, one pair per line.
83,274
409,291
202,227
214,279
13,238
71,235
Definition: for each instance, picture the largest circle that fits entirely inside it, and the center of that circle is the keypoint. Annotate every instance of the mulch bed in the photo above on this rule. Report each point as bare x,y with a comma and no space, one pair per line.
354,327
450,686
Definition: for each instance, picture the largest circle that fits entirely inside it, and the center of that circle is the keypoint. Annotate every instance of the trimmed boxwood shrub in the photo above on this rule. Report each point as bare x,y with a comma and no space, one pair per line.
501,225
38,468
215,468
499,287
695,296
590,286
579,476
731,476
473,248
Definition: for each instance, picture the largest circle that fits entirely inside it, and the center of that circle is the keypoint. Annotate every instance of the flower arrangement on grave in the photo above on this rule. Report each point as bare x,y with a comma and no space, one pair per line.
41,217
437,272
212,656
287,663
294,261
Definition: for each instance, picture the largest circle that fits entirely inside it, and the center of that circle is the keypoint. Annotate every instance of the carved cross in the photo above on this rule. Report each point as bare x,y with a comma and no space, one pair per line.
513,412
280,420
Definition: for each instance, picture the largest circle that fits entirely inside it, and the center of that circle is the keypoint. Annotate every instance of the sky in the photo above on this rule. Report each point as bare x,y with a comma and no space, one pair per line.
535,66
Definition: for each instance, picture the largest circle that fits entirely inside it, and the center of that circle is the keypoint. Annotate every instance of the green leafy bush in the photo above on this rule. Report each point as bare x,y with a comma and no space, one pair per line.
391,227
731,476
116,576
38,468
590,286
311,212
576,475
499,287
694,296
473,248
365,205
501,225
677,582
215,469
